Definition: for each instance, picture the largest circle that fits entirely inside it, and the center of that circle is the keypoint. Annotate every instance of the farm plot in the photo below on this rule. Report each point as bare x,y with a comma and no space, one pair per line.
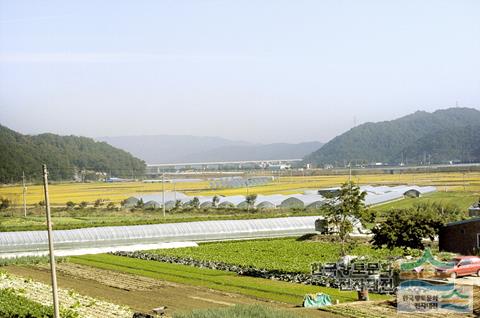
109,278
285,254
214,279
13,305
83,306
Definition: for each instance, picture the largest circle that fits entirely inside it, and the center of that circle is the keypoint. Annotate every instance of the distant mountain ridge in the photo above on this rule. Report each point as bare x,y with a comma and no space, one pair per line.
256,152
422,137
184,149
64,156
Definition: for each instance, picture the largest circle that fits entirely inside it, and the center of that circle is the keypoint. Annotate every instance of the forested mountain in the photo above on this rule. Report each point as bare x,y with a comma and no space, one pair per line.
438,137
64,156
458,144
178,149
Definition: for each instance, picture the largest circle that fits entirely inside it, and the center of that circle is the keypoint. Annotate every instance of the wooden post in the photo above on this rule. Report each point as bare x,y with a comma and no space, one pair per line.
163,193
56,309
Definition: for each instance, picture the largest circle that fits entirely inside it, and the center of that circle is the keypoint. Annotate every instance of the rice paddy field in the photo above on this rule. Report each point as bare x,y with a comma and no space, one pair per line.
61,193
461,189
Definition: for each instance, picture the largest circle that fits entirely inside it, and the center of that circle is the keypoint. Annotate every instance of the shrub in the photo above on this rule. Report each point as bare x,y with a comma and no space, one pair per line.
98,203
4,203
70,204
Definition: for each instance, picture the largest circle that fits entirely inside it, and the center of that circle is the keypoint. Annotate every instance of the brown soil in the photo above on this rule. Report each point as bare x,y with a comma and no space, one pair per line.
144,294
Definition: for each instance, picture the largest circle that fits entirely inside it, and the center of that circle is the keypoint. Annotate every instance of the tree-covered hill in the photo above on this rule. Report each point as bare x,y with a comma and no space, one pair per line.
458,144
64,156
441,136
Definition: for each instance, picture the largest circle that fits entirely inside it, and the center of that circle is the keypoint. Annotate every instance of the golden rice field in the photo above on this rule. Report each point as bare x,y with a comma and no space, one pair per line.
116,192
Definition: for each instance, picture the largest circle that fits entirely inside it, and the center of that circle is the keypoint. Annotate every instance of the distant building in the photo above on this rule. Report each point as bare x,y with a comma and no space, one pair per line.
461,237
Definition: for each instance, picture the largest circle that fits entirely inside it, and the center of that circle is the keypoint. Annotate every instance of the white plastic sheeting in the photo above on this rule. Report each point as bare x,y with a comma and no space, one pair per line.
111,236
101,250
375,195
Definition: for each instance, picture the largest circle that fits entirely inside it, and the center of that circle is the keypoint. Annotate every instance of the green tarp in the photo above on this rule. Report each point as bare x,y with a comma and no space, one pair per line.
317,300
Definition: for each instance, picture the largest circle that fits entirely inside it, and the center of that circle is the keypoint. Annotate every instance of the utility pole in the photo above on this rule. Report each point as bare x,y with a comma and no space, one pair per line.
24,195
56,309
163,193
350,172
174,191
248,204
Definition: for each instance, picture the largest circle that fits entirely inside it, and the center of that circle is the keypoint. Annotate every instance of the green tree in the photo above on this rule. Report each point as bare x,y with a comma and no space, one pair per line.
408,228
178,204
83,204
344,208
4,203
405,228
140,204
195,203
99,203
250,199
215,201
70,205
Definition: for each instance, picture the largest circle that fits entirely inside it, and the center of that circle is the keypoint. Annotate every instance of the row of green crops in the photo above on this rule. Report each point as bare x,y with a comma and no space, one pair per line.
213,279
237,311
287,254
13,305
29,260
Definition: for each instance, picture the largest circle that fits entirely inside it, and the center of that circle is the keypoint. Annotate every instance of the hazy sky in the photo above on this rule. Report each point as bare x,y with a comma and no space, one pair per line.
262,71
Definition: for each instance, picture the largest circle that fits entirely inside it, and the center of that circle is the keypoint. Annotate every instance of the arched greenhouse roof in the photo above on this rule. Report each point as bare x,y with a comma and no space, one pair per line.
266,205
292,202
31,241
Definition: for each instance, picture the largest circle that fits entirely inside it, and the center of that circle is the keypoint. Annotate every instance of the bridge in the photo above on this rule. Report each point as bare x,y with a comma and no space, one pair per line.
158,168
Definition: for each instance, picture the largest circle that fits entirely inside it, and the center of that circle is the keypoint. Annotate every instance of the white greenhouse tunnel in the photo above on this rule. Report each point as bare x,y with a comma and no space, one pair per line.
310,198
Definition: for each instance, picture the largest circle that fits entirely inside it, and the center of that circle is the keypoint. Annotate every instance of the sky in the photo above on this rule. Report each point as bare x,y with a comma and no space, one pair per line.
260,71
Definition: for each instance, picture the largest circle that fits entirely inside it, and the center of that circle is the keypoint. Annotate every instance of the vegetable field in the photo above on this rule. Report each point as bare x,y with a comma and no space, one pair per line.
14,305
287,254
37,297
213,279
